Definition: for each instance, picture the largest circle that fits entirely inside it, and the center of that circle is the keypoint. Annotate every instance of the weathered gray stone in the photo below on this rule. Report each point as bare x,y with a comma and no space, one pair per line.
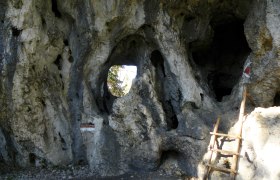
55,56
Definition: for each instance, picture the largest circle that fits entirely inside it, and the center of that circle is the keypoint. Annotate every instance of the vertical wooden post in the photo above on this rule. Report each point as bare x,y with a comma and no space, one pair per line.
238,140
242,106
212,144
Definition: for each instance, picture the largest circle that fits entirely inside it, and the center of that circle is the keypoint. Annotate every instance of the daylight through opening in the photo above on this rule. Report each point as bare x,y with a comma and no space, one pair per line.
222,61
120,78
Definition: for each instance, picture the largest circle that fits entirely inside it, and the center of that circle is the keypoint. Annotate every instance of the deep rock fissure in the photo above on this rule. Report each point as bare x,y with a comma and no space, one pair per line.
55,9
157,61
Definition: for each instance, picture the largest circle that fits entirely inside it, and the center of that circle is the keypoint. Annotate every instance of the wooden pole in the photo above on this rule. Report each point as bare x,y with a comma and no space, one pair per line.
238,141
242,106
226,135
212,145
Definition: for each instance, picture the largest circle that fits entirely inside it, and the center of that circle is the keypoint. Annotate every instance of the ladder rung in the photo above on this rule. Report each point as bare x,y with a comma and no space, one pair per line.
225,151
221,169
226,135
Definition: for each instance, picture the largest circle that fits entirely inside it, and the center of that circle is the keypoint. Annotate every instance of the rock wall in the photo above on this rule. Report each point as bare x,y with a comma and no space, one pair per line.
261,145
55,56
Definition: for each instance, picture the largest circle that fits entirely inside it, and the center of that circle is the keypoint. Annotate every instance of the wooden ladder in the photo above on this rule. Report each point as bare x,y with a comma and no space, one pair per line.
238,139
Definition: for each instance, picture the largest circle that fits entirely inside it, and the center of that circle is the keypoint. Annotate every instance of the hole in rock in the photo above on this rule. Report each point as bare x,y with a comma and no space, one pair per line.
174,122
15,32
58,62
171,117
222,60
43,103
277,99
43,21
158,61
55,9
119,79
32,158
65,41
168,155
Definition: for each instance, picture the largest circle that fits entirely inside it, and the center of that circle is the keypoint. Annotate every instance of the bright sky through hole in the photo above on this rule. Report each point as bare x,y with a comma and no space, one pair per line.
126,75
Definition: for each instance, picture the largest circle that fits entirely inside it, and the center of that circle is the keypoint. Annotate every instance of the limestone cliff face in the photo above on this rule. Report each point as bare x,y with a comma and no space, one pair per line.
55,56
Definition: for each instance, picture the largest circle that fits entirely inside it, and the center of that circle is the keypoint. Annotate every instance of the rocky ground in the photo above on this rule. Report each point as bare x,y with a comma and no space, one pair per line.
77,172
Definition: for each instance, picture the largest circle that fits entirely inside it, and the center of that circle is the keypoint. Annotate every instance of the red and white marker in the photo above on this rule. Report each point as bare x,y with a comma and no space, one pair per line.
247,70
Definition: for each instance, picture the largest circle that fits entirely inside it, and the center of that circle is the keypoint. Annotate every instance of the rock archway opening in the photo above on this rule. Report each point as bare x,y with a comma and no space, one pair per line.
120,78
222,60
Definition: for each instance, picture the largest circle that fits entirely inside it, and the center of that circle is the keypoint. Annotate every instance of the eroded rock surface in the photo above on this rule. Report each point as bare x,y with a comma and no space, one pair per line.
261,145
55,56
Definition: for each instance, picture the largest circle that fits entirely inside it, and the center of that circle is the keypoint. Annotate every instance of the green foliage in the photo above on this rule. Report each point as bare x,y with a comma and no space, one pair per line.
113,81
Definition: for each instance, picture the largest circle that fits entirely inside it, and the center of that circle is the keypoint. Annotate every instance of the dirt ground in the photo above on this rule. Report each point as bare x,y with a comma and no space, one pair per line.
78,173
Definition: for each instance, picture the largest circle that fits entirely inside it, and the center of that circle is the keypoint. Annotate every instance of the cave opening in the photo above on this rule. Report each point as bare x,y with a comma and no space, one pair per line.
55,9
119,71
277,99
223,59
172,155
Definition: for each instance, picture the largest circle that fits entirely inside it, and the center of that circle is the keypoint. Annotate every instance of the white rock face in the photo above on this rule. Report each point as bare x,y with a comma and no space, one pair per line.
259,148
54,60
261,145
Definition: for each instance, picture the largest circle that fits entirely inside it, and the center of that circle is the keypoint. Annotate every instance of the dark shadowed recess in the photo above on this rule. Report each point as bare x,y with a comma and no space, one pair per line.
58,62
16,32
224,58
277,99
170,115
169,154
55,9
